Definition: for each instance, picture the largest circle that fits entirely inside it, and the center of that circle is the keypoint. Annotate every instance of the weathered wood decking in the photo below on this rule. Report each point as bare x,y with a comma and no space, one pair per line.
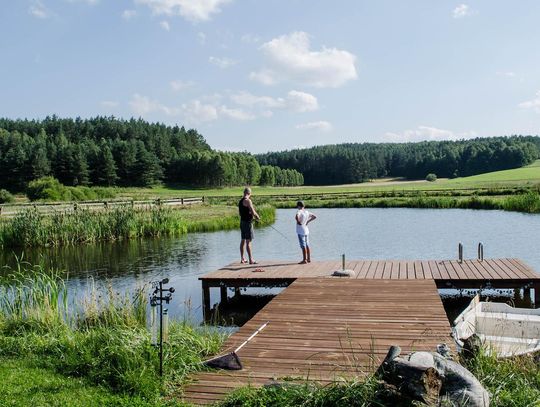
325,329
487,273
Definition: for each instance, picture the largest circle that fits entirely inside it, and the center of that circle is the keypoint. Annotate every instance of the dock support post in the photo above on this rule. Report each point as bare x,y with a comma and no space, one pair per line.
536,288
223,292
237,292
206,300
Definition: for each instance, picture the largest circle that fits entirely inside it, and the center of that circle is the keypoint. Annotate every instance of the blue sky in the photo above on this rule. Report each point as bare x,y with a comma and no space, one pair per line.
271,75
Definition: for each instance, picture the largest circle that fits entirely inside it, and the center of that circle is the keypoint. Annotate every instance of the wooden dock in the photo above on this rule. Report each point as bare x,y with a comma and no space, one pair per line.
326,329
487,273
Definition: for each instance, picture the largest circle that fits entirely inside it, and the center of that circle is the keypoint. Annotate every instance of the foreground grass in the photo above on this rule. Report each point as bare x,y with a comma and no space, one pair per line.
32,228
25,383
101,349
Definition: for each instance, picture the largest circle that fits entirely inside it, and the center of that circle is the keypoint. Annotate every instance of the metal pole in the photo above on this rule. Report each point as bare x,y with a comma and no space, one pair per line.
343,261
460,252
480,252
160,329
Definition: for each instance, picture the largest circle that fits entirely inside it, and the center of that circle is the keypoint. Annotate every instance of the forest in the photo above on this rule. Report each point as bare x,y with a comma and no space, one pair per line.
107,151
354,162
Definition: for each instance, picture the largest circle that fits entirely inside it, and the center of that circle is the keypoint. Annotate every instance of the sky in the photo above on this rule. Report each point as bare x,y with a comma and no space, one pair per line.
259,76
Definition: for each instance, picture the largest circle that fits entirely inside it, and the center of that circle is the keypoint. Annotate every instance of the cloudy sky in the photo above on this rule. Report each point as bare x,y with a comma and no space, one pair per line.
277,74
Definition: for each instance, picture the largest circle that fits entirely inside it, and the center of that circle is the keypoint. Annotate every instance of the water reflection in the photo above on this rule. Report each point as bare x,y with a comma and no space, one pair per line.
360,233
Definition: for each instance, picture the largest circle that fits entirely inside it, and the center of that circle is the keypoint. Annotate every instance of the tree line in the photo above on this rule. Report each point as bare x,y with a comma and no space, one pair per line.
107,151
355,162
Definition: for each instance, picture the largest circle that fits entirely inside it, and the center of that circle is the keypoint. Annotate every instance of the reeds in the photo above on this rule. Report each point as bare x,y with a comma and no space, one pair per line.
102,337
32,228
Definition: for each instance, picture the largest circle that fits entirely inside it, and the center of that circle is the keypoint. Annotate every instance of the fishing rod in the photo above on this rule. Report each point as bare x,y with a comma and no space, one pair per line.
280,233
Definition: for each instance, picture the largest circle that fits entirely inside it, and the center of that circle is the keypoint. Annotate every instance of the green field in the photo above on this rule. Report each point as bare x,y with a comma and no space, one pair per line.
525,176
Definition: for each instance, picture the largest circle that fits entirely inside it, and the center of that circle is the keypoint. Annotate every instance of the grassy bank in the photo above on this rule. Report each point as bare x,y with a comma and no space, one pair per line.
510,382
100,349
31,228
528,202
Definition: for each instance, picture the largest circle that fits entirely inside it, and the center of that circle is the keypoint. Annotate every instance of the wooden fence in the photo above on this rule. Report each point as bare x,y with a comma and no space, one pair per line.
10,210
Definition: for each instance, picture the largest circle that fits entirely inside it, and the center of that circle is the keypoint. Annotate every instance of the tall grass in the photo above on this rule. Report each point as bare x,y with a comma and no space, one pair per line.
528,202
32,228
103,338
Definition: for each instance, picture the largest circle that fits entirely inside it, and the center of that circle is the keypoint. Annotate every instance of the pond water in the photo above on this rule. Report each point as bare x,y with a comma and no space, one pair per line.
360,233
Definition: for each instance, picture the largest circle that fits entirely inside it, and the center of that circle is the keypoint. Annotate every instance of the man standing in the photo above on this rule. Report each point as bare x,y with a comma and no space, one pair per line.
303,217
247,213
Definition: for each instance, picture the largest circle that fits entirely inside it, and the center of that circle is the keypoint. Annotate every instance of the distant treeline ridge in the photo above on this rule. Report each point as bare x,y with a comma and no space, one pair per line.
112,152
351,163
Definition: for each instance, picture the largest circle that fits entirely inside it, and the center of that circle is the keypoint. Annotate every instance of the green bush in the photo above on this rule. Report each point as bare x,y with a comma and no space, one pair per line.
5,196
50,189
431,177
47,189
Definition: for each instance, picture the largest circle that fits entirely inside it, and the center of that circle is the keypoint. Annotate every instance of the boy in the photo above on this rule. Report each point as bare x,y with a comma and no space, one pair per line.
303,217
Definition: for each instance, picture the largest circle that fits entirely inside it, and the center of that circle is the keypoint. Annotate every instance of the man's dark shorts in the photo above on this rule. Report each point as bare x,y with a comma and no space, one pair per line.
246,229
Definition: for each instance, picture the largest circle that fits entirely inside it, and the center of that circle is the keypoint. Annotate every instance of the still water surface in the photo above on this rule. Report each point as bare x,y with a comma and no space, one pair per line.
365,233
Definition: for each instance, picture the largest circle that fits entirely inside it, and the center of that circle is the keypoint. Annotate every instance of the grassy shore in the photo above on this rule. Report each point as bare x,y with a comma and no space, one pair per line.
31,228
525,177
99,351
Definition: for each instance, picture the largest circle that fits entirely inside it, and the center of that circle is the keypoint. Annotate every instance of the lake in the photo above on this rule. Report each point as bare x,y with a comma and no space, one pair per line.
360,233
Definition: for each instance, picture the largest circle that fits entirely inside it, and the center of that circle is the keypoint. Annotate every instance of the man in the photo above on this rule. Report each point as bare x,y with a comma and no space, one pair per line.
247,214
303,217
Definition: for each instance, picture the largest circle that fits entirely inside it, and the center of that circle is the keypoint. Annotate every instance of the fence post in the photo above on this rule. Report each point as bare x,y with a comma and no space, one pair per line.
460,252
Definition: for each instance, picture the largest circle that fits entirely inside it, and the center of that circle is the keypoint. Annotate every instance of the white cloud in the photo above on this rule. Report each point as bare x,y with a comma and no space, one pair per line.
194,111
462,11
322,126
38,10
507,74
178,85
289,58
427,133
223,63
198,112
129,14
532,104
235,113
165,25
295,101
143,105
109,104
192,10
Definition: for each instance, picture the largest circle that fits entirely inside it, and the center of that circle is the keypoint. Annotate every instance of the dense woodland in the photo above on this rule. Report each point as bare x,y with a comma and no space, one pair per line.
111,152
351,163
107,151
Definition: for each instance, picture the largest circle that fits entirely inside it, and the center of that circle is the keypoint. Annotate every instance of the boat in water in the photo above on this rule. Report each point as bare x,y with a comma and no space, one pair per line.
503,329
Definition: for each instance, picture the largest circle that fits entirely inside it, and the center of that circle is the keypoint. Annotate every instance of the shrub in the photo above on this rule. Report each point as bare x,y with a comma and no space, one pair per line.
47,189
5,196
431,177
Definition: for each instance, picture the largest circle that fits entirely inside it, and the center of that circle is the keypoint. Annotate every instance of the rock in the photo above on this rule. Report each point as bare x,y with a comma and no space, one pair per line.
343,273
414,376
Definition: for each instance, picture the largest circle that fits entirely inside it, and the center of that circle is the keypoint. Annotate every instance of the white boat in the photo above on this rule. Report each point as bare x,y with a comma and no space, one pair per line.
505,330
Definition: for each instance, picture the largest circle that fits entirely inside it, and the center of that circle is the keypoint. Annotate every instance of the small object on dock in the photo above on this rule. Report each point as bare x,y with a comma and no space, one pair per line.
231,361
258,270
343,272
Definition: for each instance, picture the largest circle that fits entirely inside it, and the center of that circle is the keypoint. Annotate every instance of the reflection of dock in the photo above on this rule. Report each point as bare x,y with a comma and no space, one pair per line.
324,328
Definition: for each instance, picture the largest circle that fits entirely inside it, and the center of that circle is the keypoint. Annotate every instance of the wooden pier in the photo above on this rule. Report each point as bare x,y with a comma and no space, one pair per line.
328,329
471,274
325,328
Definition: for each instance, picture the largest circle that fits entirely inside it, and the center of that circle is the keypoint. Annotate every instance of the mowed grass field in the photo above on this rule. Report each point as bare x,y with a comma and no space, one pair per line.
525,176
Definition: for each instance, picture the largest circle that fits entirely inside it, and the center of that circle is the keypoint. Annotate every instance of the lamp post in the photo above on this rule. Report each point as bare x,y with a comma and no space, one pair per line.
156,300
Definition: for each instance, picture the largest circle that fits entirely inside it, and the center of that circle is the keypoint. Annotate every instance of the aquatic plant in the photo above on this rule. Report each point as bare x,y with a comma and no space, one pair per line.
33,228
